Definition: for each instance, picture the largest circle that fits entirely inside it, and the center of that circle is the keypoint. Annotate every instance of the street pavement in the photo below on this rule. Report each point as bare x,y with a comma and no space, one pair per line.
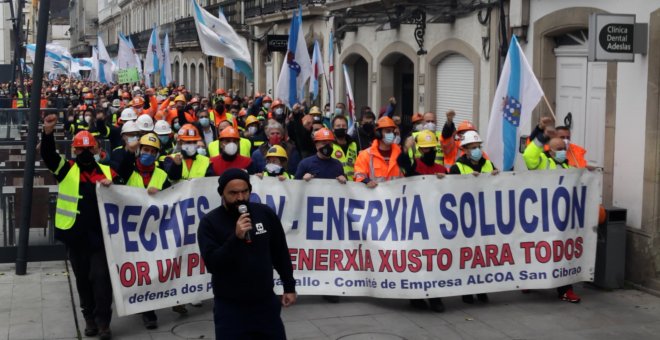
40,305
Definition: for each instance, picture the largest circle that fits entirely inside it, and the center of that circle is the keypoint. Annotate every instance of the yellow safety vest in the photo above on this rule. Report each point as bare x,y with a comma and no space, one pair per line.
68,195
467,169
158,178
347,158
244,147
229,116
285,174
20,100
198,168
439,154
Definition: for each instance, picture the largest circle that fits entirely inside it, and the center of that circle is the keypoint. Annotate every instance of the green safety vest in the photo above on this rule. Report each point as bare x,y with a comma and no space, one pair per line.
158,178
198,168
68,195
20,100
285,174
245,145
467,169
347,159
439,154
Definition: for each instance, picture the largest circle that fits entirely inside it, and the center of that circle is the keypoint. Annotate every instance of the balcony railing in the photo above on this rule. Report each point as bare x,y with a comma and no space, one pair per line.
254,8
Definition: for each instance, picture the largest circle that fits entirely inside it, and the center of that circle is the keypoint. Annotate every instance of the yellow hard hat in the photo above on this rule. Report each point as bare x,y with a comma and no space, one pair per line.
180,98
426,139
150,139
315,110
251,120
276,151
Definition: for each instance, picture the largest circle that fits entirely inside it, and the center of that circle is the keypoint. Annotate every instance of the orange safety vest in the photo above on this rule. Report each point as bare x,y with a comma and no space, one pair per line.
371,164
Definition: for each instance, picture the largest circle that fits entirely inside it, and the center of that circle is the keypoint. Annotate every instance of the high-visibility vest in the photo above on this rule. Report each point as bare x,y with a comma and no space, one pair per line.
68,195
536,159
157,180
198,168
20,99
285,174
244,149
347,159
467,169
439,153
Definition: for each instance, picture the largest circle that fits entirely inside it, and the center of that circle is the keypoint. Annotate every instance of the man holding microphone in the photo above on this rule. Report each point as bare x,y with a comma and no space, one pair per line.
240,250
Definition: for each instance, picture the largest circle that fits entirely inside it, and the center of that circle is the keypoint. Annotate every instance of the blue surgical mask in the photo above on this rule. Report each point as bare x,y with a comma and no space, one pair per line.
388,138
560,156
201,151
164,139
338,111
147,159
176,126
204,122
476,154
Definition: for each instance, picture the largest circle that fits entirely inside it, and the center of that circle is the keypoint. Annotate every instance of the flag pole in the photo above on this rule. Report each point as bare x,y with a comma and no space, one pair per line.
552,112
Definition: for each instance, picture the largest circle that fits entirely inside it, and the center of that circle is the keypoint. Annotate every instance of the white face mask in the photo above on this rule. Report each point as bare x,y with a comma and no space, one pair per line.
252,130
189,149
88,119
429,126
231,148
132,139
273,168
201,151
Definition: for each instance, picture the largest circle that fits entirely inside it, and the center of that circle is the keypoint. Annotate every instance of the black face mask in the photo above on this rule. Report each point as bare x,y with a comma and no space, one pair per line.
368,127
340,133
219,109
428,158
85,158
326,150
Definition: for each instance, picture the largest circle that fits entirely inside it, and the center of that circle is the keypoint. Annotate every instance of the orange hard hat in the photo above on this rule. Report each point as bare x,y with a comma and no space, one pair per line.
465,125
385,122
324,134
276,102
83,139
126,95
137,102
189,133
242,112
229,132
193,101
88,95
228,100
267,99
602,214
220,92
417,117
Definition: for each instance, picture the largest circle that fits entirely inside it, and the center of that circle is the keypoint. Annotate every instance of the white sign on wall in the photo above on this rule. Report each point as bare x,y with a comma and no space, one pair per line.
611,37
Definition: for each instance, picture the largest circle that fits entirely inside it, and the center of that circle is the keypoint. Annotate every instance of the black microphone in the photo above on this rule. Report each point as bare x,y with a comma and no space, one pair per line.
242,209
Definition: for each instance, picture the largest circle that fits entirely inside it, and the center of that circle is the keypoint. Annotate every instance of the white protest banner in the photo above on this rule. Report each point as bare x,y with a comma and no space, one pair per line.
417,237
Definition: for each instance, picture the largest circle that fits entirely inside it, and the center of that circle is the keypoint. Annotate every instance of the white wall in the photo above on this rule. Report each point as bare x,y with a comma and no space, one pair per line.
630,103
5,31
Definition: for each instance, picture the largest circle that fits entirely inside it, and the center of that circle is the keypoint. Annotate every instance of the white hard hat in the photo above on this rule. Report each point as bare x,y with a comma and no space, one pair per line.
162,127
470,137
128,114
145,123
129,126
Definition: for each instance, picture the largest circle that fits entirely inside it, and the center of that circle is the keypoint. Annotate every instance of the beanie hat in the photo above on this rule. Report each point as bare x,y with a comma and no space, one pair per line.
230,175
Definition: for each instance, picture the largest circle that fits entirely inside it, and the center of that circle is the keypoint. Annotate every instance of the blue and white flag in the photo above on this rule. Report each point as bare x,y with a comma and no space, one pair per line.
317,70
297,67
217,38
518,92
126,54
103,63
166,72
154,57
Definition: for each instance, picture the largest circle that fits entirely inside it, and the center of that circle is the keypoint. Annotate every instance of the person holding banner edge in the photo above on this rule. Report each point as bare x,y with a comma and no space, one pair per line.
536,158
78,224
240,251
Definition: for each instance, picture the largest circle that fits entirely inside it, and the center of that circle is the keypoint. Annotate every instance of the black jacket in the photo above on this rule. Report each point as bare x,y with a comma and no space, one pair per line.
241,271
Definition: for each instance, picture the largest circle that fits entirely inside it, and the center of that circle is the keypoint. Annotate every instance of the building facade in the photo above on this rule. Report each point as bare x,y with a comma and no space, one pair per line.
84,21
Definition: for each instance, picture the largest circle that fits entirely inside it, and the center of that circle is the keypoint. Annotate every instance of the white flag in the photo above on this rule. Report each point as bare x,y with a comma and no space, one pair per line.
217,38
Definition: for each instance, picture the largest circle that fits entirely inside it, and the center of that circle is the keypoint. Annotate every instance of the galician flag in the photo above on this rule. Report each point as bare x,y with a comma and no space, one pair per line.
297,67
317,70
154,57
518,92
350,102
166,72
